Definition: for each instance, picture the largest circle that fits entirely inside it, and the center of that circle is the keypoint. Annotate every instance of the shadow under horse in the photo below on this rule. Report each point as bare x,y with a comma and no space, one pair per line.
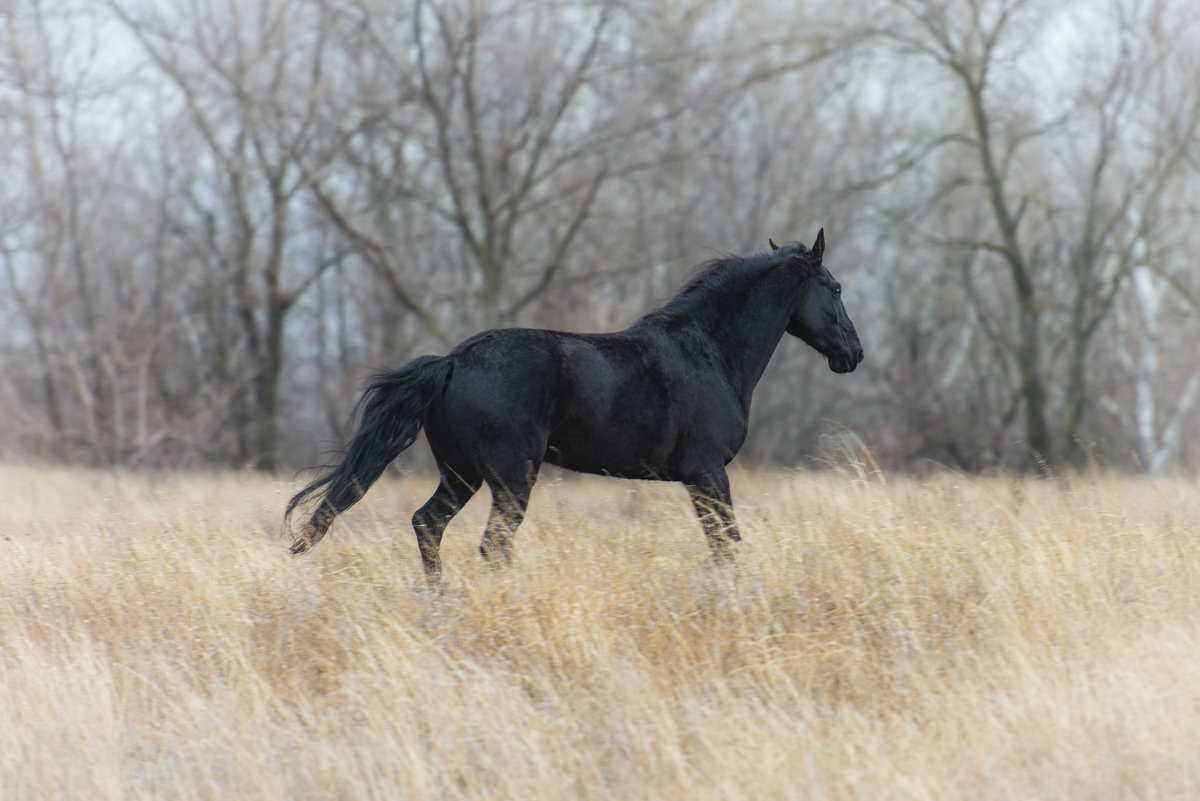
666,399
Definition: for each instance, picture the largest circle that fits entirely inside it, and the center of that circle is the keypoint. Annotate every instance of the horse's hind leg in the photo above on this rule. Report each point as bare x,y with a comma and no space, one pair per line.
430,521
510,498
714,506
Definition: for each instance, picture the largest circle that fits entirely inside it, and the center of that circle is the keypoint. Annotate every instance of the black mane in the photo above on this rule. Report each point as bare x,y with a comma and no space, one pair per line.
716,277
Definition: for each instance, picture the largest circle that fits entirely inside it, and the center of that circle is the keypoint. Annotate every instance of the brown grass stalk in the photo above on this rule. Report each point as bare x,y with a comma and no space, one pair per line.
947,637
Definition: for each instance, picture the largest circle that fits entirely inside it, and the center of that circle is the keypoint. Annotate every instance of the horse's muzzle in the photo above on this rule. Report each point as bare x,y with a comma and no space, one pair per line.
846,362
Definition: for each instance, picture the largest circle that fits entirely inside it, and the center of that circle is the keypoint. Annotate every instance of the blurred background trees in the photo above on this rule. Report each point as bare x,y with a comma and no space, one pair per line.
218,215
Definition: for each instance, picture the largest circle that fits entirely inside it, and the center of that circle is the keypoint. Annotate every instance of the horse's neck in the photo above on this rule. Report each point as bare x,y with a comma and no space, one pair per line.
746,336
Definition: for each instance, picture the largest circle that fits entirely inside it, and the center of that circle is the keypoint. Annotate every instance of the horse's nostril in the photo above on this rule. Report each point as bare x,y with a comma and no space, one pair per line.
861,355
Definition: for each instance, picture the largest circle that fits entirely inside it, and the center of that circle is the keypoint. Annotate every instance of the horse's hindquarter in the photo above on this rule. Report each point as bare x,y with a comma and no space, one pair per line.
500,398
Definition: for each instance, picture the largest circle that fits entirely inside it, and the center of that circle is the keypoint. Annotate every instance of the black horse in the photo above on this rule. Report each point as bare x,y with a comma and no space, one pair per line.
667,398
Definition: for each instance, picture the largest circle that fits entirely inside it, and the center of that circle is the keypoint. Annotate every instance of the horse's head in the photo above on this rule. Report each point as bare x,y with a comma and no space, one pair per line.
819,318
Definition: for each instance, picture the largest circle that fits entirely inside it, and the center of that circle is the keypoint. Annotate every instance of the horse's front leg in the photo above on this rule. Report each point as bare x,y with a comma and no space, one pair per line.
714,506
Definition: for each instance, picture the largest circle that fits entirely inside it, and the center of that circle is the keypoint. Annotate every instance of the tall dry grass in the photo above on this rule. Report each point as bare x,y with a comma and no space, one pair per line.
940,638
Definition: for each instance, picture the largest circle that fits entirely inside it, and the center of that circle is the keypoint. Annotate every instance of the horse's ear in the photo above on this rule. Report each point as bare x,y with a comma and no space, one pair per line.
773,245
819,245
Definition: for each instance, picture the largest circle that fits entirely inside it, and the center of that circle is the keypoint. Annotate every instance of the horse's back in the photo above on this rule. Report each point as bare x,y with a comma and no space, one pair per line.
531,375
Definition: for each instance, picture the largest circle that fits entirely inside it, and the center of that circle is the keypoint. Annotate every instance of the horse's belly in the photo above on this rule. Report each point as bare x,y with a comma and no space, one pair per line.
615,456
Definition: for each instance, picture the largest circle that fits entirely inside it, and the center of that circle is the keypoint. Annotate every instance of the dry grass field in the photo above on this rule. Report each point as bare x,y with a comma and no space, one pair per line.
938,638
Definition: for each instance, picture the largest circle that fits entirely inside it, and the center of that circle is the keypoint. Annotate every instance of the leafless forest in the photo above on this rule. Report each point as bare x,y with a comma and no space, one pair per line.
217,215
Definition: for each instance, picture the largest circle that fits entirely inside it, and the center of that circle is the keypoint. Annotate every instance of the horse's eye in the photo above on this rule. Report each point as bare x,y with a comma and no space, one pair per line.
837,290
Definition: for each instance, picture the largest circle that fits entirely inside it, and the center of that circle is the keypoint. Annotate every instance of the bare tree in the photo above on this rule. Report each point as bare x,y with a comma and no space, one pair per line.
494,134
1047,190
249,79
206,237
474,137
57,254
1159,434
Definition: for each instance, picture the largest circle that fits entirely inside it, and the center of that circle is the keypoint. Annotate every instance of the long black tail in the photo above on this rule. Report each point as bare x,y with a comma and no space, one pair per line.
393,407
